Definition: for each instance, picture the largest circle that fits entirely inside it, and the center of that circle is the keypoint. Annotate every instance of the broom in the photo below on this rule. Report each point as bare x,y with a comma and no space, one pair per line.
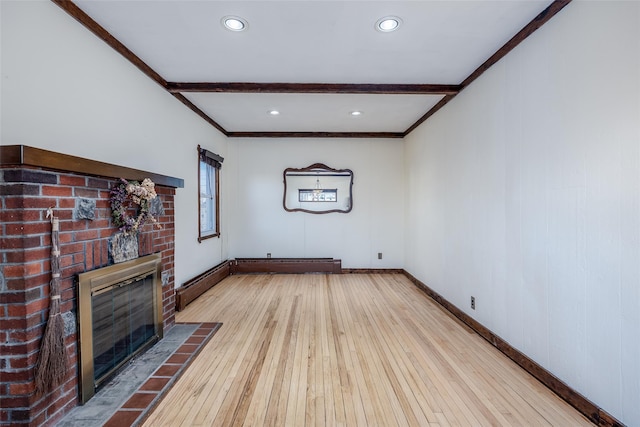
51,368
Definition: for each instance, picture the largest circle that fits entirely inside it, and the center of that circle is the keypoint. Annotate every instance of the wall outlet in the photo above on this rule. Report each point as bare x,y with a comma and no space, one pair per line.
379,255
268,254
473,303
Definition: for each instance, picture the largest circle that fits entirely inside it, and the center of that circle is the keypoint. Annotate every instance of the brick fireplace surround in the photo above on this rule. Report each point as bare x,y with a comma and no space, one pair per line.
32,180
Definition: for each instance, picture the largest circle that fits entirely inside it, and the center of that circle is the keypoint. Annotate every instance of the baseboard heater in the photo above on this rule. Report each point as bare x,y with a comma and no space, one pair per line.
286,265
193,288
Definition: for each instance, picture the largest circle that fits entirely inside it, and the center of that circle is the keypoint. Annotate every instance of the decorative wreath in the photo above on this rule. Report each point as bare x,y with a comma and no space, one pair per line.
131,194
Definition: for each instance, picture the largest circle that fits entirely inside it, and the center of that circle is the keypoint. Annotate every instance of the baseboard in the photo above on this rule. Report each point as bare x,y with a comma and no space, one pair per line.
286,265
193,288
594,413
372,271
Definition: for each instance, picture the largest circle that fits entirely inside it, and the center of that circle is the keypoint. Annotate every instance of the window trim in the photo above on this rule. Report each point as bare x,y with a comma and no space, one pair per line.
214,161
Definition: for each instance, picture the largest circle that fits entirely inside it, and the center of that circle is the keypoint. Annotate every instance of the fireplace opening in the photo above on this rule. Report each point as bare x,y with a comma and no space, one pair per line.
120,316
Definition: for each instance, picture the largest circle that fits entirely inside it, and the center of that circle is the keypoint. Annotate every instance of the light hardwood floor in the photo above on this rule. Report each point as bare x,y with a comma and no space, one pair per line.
353,350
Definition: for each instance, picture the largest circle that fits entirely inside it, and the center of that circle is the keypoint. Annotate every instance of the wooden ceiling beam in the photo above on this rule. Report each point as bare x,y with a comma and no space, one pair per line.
323,88
180,97
89,23
537,22
177,89
315,134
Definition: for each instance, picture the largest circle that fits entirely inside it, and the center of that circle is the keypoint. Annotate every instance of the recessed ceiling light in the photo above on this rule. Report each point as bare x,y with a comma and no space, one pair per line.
356,113
388,24
234,23
274,112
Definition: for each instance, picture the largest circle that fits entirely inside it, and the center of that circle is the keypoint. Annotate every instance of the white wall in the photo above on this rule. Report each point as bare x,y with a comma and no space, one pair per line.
524,192
65,90
260,225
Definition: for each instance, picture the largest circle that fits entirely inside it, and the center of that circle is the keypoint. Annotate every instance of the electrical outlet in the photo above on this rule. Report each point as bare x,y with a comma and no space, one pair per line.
473,303
268,254
379,255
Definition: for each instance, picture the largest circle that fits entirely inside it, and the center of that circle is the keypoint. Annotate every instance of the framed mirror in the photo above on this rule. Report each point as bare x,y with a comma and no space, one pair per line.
318,189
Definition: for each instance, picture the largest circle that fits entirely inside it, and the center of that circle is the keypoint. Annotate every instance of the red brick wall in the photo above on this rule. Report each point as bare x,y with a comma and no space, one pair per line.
25,248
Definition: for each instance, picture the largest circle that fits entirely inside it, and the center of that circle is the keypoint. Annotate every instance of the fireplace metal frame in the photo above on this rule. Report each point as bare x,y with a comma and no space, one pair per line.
96,281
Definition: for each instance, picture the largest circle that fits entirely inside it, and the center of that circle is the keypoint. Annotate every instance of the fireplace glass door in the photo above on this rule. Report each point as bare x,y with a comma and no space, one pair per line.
123,321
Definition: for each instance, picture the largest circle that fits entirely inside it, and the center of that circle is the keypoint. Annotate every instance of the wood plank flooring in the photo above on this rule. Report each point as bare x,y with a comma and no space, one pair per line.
347,350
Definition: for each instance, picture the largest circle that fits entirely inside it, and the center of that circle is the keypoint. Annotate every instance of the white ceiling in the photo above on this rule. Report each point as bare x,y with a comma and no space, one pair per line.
439,42
313,112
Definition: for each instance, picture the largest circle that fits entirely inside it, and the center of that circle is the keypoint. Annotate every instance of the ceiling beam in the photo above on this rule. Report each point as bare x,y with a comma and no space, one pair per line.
79,15
97,29
315,134
326,88
177,89
537,22
180,97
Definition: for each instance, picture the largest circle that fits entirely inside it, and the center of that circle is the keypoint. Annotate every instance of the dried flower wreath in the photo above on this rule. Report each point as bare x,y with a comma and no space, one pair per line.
124,196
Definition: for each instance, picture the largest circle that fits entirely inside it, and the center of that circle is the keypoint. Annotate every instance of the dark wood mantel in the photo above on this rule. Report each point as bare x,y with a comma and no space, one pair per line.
22,155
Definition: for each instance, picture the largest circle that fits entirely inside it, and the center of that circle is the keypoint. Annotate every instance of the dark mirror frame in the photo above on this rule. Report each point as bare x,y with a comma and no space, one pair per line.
319,168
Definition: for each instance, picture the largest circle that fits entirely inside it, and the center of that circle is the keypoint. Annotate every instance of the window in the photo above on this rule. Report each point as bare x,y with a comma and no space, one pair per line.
209,165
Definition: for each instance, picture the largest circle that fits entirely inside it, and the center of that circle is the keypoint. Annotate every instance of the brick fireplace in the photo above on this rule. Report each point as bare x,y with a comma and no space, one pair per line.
33,180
